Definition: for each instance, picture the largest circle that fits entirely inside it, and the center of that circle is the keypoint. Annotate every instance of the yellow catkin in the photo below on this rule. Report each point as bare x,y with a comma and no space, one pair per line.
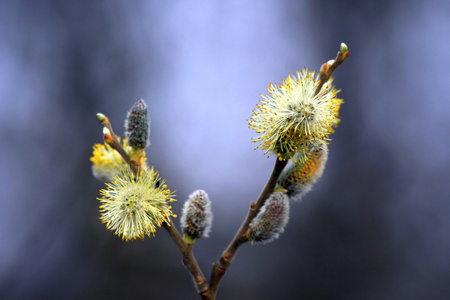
299,177
133,207
292,116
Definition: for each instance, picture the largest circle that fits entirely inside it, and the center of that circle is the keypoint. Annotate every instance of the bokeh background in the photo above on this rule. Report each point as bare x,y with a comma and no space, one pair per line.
377,224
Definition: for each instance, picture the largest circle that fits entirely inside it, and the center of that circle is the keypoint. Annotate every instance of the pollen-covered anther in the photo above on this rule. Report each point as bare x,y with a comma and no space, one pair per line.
293,116
131,209
107,162
299,176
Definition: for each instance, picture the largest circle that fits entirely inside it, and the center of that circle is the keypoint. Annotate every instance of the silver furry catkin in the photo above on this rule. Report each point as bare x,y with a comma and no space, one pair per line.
196,218
271,219
137,126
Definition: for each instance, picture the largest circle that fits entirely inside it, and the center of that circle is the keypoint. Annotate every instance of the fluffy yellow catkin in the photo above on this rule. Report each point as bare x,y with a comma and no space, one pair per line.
292,116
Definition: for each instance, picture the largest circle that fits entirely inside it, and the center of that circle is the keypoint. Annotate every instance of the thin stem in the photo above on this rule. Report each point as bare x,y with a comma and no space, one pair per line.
324,77
208,292
189,260
115,144
220,267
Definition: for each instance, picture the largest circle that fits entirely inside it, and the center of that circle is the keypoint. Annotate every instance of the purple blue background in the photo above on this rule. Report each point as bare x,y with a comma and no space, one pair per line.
376,226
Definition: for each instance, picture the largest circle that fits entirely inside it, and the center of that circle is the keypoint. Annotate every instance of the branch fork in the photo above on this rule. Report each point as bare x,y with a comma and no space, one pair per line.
207,290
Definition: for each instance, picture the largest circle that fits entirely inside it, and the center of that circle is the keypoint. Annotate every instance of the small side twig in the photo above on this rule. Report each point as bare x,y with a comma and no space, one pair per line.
115,144
219,268
325,76
189,260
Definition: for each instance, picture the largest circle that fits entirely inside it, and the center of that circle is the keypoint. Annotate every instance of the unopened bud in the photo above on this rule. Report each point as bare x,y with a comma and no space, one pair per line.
324,68
107,135
196,217
137,127
102,118
271,219
344,50
299,177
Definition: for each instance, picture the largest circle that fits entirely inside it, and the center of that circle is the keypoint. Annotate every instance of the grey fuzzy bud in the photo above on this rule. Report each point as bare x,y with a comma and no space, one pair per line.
196,218
299,177
137,126
271,219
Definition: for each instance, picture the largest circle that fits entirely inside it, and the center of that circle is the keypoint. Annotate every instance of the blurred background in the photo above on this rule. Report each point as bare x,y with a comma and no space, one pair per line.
376,226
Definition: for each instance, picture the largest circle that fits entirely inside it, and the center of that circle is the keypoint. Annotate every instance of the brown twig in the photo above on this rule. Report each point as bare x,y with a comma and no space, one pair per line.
325,76
205,290
189,260
219,268
115,144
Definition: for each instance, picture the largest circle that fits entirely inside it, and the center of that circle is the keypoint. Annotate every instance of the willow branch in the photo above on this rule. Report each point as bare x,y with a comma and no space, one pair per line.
220,267
188,258
115,144
325,76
